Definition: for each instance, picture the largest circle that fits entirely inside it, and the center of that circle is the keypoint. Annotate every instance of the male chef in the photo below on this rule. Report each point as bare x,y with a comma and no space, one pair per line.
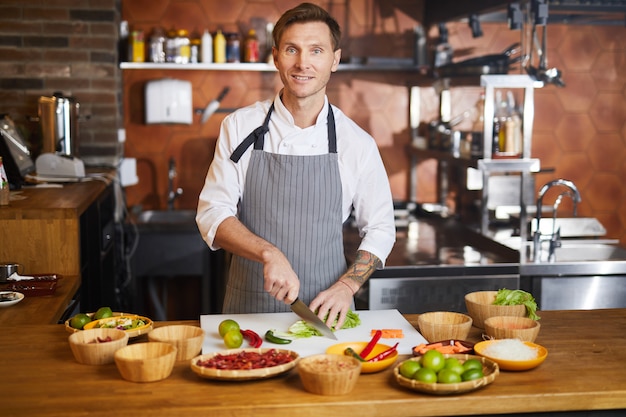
286,175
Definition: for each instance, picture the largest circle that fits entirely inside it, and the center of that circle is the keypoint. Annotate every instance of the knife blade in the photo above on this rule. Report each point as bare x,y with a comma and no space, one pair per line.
307,315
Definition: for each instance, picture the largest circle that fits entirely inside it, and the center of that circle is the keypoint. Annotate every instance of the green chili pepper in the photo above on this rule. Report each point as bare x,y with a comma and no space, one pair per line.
351,352
270,337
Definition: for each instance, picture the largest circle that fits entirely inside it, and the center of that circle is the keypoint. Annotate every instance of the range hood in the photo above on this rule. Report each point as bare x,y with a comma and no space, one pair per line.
588,12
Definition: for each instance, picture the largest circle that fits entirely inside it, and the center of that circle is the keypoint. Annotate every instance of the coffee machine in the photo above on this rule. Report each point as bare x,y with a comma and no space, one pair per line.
58,116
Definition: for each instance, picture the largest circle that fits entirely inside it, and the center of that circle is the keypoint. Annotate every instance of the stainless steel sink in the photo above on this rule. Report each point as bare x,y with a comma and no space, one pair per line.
167,216
589,251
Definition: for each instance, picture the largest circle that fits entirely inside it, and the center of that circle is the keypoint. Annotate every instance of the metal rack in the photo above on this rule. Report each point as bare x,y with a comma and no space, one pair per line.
486,164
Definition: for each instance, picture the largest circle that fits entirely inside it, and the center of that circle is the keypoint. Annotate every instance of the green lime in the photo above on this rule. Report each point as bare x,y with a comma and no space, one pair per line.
448,376
454,364
103,313
426,375
472,374
233,339
409,368
473,364
227,325
79,321
433,359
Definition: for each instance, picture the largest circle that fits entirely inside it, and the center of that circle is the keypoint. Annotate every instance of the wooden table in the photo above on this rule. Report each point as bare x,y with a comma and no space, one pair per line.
584,371
46,309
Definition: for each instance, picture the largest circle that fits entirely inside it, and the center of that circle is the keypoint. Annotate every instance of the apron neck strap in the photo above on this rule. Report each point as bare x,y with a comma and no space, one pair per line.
258,134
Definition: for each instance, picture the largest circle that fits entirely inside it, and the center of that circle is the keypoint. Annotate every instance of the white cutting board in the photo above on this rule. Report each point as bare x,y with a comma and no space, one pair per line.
262,322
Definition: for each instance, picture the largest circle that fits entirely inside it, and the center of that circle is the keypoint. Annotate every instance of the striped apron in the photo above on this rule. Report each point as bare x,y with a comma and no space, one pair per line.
293,202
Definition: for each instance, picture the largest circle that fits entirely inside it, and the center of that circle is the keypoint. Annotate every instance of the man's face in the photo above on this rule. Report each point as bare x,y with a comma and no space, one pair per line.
305,59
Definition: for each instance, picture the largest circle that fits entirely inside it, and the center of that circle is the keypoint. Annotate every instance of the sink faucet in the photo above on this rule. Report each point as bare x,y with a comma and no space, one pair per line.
171,193
555,237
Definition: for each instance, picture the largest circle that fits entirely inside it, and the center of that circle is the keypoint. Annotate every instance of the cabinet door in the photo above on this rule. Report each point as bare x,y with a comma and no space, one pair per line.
97,240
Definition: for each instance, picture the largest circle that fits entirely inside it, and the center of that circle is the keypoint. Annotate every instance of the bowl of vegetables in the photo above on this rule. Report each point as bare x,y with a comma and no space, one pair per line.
376,358
132,324
484,304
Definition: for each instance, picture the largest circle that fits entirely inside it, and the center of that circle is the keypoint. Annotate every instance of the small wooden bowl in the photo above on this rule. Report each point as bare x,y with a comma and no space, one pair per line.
509,327
187,339
146,362
89,347
442,325
480,307
329,374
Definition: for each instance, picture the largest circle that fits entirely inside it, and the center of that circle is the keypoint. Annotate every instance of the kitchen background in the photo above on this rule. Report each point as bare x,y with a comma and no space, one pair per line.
72,46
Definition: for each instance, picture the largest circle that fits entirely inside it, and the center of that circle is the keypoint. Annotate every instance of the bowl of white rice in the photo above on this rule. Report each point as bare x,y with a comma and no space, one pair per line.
512,354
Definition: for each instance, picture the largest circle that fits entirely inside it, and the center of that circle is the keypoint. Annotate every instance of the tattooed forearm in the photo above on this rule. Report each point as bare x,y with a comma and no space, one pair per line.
363,267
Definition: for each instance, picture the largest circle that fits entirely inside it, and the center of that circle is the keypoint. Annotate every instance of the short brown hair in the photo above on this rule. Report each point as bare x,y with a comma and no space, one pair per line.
303,13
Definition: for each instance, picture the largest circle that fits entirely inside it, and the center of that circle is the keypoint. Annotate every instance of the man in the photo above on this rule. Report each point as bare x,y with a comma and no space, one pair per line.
285,176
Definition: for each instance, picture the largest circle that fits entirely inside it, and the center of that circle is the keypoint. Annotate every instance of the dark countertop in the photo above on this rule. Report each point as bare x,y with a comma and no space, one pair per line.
443,246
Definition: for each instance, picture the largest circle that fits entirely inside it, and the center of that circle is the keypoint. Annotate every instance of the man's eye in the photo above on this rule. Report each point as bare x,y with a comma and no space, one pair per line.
291,51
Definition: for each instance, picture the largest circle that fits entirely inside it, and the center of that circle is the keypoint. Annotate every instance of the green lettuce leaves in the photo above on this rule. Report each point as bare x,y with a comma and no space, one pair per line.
301,329
506,297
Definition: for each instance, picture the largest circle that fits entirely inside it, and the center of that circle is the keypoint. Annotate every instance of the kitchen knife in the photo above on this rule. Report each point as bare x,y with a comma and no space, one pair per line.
307,315
214,105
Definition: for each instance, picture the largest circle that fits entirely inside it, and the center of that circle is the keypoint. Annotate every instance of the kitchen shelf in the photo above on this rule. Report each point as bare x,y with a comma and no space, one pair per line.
258,67
486,164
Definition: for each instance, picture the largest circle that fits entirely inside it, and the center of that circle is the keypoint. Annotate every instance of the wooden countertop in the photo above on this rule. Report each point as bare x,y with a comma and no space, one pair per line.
584,371
68,201
41,309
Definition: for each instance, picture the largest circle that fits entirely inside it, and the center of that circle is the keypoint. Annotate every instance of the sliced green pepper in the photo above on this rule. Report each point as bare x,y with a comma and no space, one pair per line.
272,338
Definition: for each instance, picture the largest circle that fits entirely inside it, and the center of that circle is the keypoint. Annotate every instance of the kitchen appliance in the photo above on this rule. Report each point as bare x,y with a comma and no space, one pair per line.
168,101
56,165
307,315
58,117
16,156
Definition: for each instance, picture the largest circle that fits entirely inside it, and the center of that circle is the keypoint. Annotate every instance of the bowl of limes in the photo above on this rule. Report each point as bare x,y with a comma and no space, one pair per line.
437,373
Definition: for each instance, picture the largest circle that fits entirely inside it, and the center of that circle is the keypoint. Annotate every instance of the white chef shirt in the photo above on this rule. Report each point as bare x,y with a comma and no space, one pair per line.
365,185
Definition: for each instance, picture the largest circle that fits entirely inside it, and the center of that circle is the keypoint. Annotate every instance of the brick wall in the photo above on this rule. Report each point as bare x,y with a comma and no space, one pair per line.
68,46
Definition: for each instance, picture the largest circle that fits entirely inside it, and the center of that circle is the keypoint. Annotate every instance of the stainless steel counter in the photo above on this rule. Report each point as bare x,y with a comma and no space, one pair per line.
436,261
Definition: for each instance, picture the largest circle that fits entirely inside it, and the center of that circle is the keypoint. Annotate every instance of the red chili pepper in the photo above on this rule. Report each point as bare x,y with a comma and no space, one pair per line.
384,354
252,337
368,348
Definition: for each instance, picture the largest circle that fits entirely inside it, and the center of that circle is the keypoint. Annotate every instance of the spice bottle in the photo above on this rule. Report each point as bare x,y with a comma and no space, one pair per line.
206,55
4,185
183,44
157,45
219,48
251,47
233,49
194,49
137,46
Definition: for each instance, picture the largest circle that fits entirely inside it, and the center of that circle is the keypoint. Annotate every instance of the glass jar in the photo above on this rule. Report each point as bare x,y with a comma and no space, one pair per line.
157,45
183,44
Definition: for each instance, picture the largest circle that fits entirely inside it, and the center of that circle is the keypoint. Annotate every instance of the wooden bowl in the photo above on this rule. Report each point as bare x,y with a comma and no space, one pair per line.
146,362
480,307
187,339
90,347
510,327
366,367
276,362
442,325
329,374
